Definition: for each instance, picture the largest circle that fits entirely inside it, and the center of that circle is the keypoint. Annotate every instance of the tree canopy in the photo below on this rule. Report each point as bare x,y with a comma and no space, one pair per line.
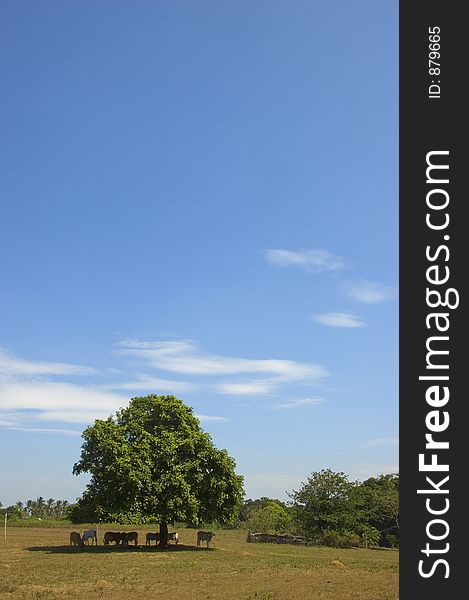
323,502
272,516
377,503
152,461
334,510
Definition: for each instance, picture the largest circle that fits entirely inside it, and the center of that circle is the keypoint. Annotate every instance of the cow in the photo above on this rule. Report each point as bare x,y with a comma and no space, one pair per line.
90,534
132,536
204,536
75,539
113,536
152,536
174,537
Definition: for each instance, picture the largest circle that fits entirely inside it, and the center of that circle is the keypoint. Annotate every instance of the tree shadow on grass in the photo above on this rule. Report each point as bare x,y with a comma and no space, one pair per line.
118,549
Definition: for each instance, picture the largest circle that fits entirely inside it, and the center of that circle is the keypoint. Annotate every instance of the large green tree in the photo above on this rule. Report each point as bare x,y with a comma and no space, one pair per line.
152,461
377,502
324,503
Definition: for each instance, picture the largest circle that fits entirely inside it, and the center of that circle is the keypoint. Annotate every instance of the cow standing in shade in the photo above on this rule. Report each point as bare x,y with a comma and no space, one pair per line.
75,539
132,536
114,536
173,536
90,534
151,537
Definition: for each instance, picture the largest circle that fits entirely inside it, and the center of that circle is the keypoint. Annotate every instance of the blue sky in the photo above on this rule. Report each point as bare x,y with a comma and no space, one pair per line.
200,198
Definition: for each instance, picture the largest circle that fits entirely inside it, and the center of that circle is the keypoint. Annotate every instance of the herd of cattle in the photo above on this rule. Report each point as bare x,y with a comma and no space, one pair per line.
123,538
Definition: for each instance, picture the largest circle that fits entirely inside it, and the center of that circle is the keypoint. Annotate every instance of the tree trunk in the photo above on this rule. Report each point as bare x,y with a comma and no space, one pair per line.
163,535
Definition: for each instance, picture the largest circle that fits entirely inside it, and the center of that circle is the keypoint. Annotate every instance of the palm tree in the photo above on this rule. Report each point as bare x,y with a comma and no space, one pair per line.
40,507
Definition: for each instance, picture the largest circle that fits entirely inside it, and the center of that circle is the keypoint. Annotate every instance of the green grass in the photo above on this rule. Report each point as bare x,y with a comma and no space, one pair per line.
38,563
37,522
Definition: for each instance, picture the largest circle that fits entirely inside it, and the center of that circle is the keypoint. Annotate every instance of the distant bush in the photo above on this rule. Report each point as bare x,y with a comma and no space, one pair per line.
273,517
370,536
340,539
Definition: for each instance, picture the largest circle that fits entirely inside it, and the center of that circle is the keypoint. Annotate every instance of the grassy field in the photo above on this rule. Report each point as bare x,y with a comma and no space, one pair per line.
38,563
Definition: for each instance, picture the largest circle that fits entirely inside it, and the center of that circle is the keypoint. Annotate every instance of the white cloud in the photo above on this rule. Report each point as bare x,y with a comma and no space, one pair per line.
247,388
7,423
297,403
30,401
38,402
210,418
185,357
339,319
79,417
11,366
369,292
47,430
154,385
316,261
58,401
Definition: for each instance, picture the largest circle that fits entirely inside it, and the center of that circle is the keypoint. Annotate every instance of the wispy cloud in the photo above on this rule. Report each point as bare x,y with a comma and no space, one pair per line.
12,366
31,392
210,418
52,430
26,404
293,404
32,397
58,401
8,423
339,319
369,292
315,261
155,385
247,388
186,358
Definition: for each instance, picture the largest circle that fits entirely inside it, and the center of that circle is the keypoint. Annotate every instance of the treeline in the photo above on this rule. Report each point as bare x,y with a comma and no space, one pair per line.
332,511
328,508
39,509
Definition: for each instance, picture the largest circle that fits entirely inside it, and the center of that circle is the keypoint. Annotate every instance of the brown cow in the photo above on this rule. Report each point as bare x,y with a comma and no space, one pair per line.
75,539
114,536
132,536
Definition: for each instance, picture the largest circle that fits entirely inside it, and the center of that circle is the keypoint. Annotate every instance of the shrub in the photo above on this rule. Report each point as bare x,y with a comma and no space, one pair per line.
340,539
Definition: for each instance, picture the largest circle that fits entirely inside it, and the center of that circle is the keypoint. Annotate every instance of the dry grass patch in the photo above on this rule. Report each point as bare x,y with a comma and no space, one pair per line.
38,563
